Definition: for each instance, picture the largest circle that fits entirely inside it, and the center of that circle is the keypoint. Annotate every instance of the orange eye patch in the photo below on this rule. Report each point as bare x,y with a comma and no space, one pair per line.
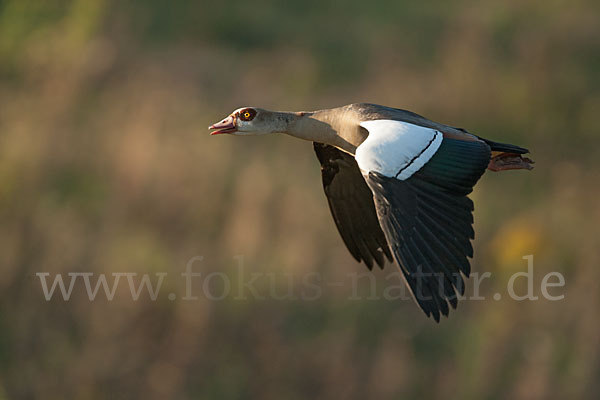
248,114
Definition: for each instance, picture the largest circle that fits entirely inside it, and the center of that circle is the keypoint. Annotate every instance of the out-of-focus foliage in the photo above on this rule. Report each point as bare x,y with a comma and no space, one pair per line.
106,166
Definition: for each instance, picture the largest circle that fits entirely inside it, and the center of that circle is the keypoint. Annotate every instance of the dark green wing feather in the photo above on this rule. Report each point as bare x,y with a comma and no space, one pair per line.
427,220
352,207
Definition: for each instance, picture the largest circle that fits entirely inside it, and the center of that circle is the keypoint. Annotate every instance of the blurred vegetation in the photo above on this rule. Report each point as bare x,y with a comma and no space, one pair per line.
106,166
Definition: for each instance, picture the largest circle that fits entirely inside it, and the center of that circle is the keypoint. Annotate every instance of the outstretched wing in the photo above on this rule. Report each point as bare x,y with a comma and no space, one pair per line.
351,204
420,181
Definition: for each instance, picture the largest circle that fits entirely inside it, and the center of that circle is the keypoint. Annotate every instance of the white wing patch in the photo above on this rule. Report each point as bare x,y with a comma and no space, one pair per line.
395,148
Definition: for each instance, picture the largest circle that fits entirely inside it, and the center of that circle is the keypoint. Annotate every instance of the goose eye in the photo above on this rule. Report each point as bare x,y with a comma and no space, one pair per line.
248,114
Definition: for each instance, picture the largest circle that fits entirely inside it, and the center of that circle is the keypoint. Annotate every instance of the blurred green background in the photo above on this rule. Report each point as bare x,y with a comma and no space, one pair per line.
106,166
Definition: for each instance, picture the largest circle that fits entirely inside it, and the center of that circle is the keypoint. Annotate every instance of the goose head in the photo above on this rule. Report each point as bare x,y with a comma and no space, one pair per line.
250,121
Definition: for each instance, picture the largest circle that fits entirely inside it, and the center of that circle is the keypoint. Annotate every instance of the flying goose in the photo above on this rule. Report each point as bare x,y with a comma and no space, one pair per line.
397,186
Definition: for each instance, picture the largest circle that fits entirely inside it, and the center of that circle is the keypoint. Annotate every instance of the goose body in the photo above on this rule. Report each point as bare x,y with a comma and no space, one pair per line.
397,186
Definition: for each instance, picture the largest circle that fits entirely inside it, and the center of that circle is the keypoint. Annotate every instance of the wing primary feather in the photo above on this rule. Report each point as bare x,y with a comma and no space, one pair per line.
429,229
352,207
422,220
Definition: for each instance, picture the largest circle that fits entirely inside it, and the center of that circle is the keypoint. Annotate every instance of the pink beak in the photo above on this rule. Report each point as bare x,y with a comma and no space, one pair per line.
225,126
